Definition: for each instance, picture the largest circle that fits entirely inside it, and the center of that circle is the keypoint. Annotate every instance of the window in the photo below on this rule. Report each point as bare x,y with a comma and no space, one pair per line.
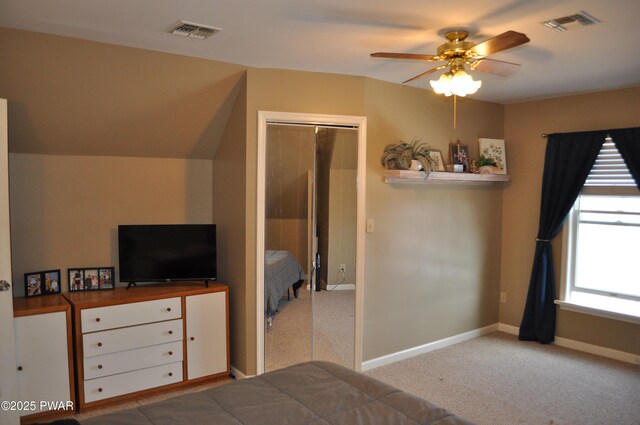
602,244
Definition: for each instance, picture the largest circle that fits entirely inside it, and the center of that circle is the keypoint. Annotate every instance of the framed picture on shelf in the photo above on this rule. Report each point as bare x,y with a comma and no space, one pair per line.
438,161
42,283
91,278
459,154
494,149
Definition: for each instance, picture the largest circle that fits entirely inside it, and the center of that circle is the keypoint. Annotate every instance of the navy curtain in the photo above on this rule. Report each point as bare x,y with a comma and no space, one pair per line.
627,141
568,160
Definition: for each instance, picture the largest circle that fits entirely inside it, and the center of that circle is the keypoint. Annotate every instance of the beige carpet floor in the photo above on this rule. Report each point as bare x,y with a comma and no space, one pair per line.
496,379
321,323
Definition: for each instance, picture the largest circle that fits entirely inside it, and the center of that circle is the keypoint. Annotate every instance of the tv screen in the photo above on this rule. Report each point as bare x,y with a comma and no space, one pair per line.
167,252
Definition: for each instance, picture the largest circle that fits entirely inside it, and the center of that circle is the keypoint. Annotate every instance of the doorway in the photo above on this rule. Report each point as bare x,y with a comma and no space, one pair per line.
324,160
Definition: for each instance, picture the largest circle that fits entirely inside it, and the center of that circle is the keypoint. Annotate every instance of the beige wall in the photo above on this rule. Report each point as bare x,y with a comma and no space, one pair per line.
65,210
524,123
432,266
342,209
433,262
75,97
290,157
229,214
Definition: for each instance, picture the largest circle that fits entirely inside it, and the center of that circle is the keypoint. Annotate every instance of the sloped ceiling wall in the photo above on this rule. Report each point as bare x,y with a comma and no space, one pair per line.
74,97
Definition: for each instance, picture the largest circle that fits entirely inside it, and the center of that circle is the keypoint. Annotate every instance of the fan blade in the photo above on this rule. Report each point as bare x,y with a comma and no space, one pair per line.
437,68
495,67
501,42
405,56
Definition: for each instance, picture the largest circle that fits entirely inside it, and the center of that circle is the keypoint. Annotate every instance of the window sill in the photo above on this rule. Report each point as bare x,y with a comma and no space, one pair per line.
598,305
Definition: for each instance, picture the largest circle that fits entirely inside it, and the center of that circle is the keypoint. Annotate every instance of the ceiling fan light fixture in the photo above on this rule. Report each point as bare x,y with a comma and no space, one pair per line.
442,85
459,83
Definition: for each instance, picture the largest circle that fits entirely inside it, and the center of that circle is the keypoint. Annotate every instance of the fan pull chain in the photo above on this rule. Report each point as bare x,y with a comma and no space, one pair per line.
455,108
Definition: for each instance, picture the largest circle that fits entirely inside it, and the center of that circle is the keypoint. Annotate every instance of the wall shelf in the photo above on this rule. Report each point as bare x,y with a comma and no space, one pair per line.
440,177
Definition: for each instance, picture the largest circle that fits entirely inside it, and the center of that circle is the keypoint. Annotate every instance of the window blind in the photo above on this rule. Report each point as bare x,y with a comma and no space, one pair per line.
609,169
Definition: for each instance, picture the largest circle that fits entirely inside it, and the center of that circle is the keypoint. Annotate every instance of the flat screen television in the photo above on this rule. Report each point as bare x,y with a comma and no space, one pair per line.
167,252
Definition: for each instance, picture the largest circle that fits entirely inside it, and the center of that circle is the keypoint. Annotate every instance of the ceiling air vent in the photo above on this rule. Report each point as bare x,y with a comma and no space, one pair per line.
566,22
190,30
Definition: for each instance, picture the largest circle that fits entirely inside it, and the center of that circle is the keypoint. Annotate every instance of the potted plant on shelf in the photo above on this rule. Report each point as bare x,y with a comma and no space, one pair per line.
408,156
486,165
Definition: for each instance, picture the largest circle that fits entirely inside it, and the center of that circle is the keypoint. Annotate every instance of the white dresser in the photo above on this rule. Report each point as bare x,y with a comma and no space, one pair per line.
149,338
43,344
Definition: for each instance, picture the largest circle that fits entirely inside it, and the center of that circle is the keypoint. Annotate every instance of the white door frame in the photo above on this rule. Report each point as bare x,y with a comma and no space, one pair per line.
359,123
8,372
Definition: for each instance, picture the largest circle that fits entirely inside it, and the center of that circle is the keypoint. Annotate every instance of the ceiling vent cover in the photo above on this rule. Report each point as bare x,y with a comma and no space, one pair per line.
191,30
564,23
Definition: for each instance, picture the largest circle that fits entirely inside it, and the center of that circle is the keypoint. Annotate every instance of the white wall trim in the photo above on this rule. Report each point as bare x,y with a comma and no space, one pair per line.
598,350
582,346
431,346
508,329
501,327
358,122
342,287
238,374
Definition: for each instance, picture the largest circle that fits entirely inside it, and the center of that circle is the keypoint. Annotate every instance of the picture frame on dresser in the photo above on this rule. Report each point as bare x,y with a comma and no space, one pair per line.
91,278
41,283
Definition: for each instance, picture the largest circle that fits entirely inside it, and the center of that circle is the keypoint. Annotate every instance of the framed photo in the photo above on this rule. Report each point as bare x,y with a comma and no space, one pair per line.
42,283
91,278
459,154
438,161
494,149
105,278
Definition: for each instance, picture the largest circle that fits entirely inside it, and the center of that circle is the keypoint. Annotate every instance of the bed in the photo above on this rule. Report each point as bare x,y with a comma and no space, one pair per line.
318,393
282,271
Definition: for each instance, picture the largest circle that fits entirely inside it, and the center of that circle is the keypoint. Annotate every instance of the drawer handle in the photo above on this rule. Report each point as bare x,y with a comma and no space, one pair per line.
99,366
192,338
170,373
99,390
168,308
97,319
171,353
19,367
170,332
99,344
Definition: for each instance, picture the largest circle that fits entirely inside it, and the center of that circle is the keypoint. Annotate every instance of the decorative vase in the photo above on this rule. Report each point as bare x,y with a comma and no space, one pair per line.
487,169
415,165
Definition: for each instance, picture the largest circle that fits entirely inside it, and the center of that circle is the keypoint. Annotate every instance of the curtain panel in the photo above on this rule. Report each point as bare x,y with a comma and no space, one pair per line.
627,140
568,159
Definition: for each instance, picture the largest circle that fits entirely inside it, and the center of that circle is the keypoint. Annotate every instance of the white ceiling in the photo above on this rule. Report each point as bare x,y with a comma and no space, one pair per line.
337,36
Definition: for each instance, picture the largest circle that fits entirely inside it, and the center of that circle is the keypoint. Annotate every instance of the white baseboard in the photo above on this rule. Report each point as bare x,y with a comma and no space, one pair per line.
342,287
582,346
238,374
514,330
598,350
508,329
435,345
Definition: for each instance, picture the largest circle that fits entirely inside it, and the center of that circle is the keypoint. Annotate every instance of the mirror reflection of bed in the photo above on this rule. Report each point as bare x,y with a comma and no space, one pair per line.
310,210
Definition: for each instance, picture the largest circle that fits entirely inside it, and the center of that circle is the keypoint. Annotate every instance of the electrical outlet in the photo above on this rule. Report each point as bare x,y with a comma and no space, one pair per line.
503,297
343,268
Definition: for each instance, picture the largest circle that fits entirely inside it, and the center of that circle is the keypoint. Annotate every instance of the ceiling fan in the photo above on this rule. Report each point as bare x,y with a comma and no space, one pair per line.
457,52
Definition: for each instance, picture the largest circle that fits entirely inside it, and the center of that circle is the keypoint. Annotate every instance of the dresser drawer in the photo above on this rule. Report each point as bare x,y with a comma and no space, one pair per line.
125,383
105,342
119,316
126,361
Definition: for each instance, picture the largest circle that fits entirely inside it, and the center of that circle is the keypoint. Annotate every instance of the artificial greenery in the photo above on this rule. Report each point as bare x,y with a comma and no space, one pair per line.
485,160
398,156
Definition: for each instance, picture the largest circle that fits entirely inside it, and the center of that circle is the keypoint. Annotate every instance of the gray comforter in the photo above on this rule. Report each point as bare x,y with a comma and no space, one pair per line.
317,393
281,271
